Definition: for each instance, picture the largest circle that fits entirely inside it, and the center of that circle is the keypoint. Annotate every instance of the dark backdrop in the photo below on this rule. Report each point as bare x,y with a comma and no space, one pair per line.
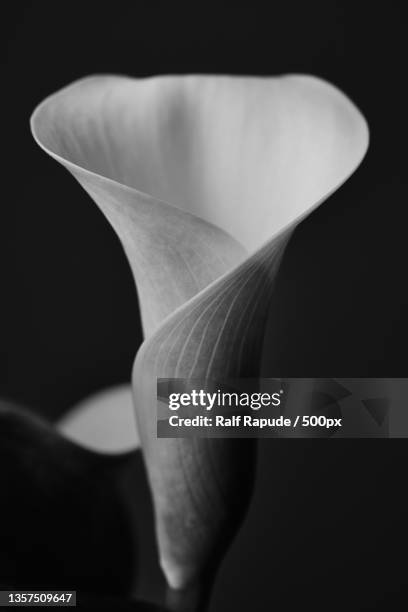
70,324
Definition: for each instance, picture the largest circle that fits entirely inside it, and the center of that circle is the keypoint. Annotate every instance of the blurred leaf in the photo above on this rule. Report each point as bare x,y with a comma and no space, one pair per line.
64,519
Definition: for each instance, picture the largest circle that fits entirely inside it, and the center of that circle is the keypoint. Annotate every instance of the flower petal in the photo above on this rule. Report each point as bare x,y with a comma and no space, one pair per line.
104,422
246,154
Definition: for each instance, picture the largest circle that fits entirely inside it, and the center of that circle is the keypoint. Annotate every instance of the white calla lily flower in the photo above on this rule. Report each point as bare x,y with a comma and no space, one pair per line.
204,179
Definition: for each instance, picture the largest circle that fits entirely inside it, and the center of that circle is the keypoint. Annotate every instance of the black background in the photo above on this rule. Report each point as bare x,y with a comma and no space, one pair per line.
333,512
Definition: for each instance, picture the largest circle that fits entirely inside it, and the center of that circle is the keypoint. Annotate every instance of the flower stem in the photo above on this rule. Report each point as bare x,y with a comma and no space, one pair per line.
194,598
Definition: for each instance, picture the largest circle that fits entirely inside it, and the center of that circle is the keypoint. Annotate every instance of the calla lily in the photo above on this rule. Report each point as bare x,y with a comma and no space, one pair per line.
104,422
204,180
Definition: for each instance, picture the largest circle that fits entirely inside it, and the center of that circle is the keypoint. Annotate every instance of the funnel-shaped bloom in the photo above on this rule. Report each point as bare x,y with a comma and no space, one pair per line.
203,179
